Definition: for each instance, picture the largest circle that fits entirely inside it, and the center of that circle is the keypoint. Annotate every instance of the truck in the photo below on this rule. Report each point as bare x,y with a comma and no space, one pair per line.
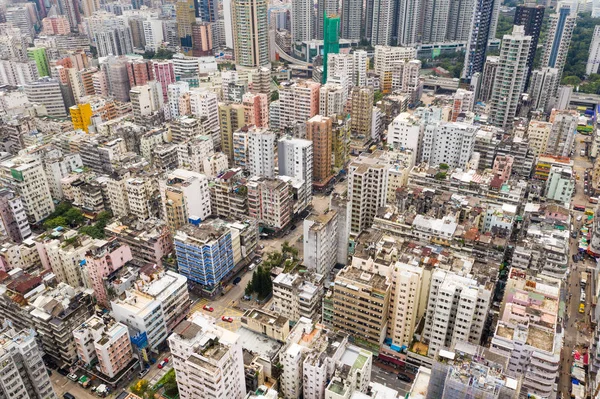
583,279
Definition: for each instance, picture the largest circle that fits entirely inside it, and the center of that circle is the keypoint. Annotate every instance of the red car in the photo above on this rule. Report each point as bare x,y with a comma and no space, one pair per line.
227,319
162,364
209,308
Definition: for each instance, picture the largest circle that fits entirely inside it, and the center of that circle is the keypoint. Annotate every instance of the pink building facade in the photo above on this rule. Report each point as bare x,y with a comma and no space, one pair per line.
103,259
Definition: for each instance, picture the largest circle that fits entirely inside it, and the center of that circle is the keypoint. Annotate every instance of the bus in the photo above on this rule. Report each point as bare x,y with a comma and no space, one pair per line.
593,200
579,208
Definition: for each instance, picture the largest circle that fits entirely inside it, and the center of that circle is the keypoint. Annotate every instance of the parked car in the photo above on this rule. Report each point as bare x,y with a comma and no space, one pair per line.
142,373
247,297
162,364
237,280
73,377
67,395
208,308
581,308
63,372
227,319
575,258
404,377
252,266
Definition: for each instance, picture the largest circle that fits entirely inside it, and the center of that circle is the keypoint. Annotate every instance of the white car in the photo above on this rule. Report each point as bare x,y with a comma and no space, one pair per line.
579,218
73,377
251,267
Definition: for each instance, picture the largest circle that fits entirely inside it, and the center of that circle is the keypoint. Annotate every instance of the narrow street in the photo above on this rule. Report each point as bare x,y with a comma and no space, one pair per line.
576,324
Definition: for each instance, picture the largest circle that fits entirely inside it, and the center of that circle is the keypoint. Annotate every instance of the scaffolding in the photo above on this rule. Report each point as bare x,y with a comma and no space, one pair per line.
331,40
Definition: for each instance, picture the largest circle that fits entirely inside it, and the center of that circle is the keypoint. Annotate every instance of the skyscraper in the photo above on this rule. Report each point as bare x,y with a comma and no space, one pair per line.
379,30
540,89
250,33
594,57
351,19
186,16
409,22
560,31
510,77
325,8
478,37
302,20
435,19
331,40
530,16
207,10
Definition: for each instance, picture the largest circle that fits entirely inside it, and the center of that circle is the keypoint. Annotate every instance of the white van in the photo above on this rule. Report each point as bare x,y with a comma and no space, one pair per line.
252,266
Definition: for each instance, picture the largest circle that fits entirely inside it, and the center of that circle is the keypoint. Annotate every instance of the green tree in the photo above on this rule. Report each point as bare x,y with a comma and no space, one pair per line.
74,216
377,96
505,25
580,45
571,80
55,222
275,96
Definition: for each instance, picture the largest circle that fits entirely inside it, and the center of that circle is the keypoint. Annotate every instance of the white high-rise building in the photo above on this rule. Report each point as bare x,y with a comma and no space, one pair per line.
593,61
113,41
320,242
558,38
540,88
385,60
407,281
208,360
27,177
205,104
302,16
382,23
24,374
175,91
47,92
562,134
409,22
332,99
449,143
146,100
510,77
261,152
435,21
340,69
456,310
153,33
299,101
406,131
194,188
295,159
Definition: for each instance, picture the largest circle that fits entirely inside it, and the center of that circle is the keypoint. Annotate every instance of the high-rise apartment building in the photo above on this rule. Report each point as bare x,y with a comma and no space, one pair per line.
332,99
381,27
558,38
449,143
185,12
256,109
361,117
295,159
109,344
352,17
23,371
208,360
40,56
540,88
231,118
360,302
593,61
367,190
146,101
250,33
530,16
385,62
510,77
302,16
320,242
13,219
435,19
319,131
140,72
261,152
204,253
560,140
103,259
325,8
81,116
185,196
482,17
47,92
406,131
457,309
299,101
114,40
164,72
409,22
270,201
28,179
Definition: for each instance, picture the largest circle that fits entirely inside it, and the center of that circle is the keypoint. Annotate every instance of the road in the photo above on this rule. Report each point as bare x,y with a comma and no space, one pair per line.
576,324
389,379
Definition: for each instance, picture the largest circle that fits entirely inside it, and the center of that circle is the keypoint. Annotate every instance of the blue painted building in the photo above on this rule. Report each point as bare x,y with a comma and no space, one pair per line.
204,253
